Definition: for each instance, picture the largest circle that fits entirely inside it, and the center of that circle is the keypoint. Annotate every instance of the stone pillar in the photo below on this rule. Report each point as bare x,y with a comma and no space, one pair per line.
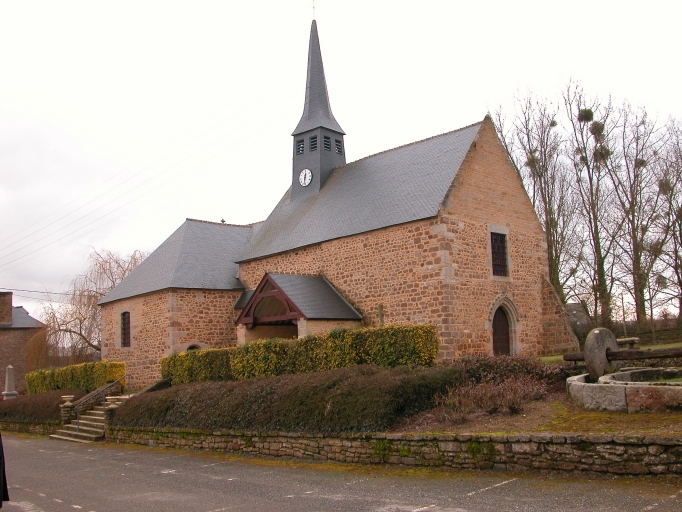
66,409
9,392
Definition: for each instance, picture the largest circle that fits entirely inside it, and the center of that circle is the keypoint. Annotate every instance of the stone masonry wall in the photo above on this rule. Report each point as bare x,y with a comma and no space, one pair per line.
633,455
439,270
13,352
166,322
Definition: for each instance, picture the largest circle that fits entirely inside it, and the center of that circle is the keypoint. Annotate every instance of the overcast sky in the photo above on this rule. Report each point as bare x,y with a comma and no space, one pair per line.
118,120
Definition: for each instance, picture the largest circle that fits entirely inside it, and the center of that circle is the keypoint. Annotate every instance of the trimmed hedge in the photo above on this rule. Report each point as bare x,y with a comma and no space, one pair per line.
357,399
389,346
83,377
40,408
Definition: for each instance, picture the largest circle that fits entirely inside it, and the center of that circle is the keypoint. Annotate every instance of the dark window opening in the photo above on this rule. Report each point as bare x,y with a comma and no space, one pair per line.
339,147
125,329
313,143
300,146
327,143
192,347
498,243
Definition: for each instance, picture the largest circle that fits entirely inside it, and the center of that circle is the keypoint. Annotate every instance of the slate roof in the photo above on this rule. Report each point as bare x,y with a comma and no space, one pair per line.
316,109
400,185
22,320
198,255
243,299
316,297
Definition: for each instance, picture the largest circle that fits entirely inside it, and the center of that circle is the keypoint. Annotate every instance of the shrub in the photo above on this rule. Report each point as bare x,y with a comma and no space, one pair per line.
497,369
40,408
263,358
197,365
340,348
490,396
82,377
355,399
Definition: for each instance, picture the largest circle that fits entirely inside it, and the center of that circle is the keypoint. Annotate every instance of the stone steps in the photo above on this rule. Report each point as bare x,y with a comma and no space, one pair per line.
90,427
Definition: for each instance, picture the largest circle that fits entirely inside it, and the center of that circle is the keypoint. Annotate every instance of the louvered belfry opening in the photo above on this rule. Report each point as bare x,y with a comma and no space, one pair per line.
501,345
269,305
498,244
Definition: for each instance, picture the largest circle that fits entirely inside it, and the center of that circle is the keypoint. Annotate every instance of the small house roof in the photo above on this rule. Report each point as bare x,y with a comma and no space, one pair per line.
400,185
198,255
282,298
22,320
315,297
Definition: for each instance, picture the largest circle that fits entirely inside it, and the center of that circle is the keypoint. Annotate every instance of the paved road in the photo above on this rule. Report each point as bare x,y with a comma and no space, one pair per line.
46,475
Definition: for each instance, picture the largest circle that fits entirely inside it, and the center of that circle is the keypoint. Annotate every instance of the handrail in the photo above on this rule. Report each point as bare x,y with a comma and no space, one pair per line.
95,395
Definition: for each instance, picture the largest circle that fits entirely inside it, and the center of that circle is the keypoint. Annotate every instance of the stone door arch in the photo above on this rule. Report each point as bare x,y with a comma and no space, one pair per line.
504,324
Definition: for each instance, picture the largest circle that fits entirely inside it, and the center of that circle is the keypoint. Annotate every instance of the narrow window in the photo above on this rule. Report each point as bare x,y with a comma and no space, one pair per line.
498,243
125,329
300,146
327,143
313,143
339,147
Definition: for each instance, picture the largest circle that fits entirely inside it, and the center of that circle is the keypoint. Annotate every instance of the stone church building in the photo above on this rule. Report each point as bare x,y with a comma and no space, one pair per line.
438,231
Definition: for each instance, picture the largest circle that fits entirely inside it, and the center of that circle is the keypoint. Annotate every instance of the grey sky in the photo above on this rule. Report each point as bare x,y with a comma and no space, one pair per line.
119,120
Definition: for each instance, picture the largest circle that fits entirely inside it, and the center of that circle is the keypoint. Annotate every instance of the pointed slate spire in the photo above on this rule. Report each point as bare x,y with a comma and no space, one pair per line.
316,111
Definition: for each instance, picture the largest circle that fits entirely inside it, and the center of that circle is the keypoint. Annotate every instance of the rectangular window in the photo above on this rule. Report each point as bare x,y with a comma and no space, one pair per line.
339,147
313,143
327,143
125,329
300,146
498,244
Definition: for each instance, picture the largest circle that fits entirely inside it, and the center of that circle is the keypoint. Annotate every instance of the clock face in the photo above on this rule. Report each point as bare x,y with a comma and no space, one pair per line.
305,177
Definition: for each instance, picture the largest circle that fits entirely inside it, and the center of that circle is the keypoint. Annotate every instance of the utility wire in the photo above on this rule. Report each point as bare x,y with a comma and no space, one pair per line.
118,197
203,122
35,291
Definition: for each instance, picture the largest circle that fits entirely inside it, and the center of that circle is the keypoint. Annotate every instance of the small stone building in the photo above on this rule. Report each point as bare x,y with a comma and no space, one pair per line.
17,327
438,231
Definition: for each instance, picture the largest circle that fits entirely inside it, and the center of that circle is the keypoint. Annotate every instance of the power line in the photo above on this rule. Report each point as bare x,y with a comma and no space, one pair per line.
123,205
34,291
116,186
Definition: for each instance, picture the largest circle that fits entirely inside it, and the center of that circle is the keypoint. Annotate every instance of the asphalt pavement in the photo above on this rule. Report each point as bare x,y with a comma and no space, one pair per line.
47,475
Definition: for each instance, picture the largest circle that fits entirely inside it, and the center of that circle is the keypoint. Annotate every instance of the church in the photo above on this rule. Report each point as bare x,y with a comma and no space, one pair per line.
438,231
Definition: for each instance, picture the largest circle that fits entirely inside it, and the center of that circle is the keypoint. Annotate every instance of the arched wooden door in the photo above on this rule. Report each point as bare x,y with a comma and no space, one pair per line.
500,333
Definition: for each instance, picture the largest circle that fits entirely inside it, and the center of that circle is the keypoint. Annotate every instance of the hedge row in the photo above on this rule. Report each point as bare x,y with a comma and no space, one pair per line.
40,408
357,399
384,346
83,377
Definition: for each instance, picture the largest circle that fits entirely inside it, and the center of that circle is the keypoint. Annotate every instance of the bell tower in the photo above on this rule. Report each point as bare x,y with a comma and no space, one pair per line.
318,138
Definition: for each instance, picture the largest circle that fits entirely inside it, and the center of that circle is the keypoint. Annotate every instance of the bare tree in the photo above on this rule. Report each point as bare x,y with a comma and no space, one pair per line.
634,169
590,142
671,189
73,323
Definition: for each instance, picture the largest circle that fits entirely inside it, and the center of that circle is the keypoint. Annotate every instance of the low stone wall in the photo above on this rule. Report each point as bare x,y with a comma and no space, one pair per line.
44,429
631,455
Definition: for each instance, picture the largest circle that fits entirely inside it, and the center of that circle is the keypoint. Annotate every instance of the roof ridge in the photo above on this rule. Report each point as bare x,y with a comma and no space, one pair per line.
225,223
410,144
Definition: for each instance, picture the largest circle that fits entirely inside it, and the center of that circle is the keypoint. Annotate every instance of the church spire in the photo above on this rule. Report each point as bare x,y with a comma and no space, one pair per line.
317,112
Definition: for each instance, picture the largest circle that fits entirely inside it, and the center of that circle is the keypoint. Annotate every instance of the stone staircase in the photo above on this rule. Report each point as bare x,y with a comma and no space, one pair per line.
91,426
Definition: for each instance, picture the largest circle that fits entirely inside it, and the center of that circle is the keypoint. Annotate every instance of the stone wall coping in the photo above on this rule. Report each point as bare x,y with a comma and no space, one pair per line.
541,437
